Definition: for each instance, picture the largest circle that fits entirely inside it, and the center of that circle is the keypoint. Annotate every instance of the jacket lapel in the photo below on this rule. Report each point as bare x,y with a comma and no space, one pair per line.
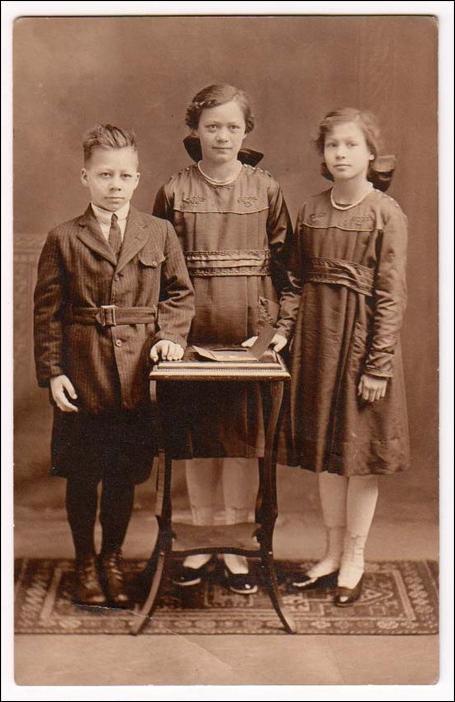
91,235
135,237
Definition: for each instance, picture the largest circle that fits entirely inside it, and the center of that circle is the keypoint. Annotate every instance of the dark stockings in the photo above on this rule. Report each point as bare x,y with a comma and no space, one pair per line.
115,511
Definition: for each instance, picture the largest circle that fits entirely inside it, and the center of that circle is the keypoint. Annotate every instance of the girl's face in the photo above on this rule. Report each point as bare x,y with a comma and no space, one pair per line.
346,152
221,131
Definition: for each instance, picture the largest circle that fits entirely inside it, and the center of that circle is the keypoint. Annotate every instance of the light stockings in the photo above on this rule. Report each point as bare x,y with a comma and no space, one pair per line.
238,481
348,506
332,492
360,508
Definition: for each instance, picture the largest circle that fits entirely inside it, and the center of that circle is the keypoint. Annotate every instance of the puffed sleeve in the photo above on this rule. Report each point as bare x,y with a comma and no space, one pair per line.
162,206
176,307
280,236
389,293
49,300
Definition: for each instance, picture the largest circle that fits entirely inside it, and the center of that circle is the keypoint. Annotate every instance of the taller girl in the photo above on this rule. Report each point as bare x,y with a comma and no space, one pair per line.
348,414
235,232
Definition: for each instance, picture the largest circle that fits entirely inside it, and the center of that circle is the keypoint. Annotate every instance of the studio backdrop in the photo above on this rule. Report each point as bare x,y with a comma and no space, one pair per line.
141,72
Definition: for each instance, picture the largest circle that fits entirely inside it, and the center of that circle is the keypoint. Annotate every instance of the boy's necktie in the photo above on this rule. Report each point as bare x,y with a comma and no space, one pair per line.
115,235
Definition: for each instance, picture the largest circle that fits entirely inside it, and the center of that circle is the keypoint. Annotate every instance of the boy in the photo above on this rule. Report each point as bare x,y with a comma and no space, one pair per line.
112,290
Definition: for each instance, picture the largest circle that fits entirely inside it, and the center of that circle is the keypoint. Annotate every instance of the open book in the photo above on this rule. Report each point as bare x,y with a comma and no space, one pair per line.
235,357
239,354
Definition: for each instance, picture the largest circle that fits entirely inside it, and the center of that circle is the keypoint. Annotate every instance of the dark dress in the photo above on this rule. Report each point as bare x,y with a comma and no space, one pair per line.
236,239
352,269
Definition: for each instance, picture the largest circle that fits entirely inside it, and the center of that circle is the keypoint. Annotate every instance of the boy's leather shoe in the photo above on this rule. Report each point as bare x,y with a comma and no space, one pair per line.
88,588
113,580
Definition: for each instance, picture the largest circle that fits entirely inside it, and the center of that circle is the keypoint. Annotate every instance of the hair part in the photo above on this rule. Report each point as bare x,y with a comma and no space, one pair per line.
219,94
106,136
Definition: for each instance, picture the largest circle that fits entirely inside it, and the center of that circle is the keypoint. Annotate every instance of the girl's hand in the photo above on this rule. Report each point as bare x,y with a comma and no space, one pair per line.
166,350
61,386
278,342
372,388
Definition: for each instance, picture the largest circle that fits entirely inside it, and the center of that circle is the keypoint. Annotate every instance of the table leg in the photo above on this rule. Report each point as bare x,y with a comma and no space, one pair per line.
267,510
160,557
152,599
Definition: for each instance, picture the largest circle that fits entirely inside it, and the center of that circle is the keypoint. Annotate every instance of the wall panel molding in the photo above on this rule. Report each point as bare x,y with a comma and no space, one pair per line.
27,248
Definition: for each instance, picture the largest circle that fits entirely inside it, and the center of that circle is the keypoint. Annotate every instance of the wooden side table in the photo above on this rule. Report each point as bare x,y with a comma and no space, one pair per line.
251,540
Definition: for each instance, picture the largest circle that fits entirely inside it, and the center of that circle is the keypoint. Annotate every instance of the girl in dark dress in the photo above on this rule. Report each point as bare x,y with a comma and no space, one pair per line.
348,418
234,229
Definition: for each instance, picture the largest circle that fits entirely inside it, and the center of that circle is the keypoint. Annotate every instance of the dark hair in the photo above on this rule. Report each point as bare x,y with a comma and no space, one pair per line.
365,120
219,94
106,136
380,169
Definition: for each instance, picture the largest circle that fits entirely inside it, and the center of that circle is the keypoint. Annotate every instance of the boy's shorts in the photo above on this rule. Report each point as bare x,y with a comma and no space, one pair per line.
86,445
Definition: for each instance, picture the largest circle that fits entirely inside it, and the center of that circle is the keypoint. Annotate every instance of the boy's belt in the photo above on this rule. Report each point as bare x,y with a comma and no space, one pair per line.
109,315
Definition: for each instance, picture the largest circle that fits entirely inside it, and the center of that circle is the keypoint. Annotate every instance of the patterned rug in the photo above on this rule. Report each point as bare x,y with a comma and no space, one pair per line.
399,597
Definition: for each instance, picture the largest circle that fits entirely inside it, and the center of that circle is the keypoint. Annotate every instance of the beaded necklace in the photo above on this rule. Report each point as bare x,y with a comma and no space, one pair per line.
352,204
213,181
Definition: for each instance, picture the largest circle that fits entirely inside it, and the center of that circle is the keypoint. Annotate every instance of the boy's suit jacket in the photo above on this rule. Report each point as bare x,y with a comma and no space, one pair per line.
108,366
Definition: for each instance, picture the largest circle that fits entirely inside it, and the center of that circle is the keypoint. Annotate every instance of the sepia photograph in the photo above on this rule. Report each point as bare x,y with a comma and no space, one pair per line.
224,239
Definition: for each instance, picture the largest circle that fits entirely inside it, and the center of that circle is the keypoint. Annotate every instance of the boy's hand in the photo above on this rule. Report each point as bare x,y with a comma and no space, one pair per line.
278,342
372,388
166,350
61,386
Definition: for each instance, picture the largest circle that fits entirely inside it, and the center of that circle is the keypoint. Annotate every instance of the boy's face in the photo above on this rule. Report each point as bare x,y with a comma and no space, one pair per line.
111,175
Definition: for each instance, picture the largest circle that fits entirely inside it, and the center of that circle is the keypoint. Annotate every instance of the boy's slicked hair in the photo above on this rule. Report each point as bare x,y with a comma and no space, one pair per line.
106,136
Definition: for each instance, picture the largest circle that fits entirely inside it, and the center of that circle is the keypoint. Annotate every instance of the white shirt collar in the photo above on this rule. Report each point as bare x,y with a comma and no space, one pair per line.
105,217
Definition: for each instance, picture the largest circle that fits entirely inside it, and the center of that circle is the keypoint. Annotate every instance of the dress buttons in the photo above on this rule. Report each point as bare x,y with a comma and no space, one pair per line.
118,342
116,276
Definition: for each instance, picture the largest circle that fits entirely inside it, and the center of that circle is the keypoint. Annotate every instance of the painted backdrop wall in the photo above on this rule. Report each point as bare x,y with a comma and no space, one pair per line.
141,72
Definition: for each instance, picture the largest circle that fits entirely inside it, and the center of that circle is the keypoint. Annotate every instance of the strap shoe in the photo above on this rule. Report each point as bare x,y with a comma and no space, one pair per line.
323,582
346,596
241,583
185,576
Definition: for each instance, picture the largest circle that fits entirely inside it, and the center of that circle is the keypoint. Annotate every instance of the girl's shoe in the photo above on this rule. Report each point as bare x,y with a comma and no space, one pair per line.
323,574
323,582
189,577
241,583
346,596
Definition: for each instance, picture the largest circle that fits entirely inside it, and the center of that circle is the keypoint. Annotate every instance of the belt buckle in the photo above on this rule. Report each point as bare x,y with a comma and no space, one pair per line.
107,316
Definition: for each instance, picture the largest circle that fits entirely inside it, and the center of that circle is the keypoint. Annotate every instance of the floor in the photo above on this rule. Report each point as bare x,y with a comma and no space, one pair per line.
401,529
